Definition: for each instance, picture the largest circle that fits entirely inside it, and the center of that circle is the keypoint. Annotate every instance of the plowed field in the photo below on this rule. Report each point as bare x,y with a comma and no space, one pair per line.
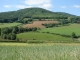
38,24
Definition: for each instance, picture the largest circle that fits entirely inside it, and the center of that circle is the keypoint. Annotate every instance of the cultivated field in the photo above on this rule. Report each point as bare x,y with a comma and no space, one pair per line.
38,24
34,36
66,30
8,24
18,51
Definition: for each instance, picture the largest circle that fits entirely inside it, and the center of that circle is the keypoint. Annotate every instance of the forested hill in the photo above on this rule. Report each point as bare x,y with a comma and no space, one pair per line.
33,13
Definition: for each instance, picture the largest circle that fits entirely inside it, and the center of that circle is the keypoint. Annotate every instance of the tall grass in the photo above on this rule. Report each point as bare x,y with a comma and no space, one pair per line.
40,52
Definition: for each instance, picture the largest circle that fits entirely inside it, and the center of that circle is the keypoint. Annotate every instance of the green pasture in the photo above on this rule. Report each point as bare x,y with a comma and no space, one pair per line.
11,51
42,37
8,24
67,30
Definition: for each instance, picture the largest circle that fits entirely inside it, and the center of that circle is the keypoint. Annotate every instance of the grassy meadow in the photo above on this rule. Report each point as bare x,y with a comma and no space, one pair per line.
34,36
66,30
2,25
49,51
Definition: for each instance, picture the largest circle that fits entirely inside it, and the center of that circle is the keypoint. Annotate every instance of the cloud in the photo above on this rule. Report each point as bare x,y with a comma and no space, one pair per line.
63,6
17,6
76,6
7,6
39,3
46,4
36,2
21,6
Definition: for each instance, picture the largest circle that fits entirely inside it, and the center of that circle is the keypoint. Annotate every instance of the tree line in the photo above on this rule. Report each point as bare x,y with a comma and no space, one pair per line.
50,25
10,32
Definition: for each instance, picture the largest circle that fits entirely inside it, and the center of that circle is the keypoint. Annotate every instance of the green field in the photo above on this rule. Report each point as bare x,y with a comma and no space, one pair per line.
8,24
42,37
57,51
66,30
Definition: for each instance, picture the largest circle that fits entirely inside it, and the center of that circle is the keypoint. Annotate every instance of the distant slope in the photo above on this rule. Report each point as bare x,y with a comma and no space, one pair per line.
35,13
64,30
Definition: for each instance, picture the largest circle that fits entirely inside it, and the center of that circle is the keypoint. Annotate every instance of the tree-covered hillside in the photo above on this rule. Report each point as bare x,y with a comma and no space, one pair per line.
32,13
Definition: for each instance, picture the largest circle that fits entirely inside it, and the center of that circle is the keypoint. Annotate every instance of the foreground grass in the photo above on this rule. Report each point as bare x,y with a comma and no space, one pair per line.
66,30
57,51
42,36
8,24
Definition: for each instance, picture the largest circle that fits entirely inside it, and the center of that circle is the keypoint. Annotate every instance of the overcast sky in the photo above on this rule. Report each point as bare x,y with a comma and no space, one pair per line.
68,6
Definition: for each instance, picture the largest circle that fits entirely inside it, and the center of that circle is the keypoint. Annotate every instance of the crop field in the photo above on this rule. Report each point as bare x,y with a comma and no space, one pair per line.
34,36
67,30
38,24
8,24
48,51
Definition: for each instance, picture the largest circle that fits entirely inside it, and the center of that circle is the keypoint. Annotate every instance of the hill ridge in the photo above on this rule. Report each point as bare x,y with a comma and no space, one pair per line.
35,13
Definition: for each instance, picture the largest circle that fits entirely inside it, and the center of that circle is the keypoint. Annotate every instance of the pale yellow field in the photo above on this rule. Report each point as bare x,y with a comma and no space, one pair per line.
41,51
34,44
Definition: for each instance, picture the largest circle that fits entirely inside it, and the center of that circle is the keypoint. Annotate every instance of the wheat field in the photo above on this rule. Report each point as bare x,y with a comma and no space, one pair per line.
47,51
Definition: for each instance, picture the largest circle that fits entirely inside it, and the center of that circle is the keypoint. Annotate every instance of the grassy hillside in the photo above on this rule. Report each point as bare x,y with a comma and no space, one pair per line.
34,36
20,51
66,30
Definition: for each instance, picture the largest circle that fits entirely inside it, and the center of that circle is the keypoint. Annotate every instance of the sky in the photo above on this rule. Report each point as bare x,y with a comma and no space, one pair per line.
68,6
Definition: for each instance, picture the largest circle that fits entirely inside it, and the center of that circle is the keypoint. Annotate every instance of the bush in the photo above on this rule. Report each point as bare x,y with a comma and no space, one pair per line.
73,35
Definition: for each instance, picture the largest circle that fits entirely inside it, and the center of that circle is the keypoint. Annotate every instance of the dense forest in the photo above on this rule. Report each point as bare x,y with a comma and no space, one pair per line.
30,14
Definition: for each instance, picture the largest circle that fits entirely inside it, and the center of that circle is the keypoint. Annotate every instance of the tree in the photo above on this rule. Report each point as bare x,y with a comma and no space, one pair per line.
15,30
25,20
78,21
70,19
9,36
5,30
73,35
0,31
21,29
13,36
34,29
4,36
